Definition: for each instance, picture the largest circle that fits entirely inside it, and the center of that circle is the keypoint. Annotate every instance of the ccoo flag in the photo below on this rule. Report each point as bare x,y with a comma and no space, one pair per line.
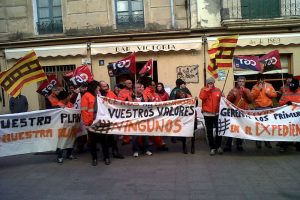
26,70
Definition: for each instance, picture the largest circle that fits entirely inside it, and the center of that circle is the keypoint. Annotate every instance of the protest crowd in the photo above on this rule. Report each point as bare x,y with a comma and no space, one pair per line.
89,97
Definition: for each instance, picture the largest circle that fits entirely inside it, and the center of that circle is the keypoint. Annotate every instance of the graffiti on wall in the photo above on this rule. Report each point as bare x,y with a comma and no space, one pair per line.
190,74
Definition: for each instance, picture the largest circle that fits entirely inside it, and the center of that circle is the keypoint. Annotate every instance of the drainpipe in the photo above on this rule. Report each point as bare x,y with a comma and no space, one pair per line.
173,23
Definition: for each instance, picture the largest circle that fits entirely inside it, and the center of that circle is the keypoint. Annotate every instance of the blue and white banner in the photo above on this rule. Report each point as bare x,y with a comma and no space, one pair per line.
39,131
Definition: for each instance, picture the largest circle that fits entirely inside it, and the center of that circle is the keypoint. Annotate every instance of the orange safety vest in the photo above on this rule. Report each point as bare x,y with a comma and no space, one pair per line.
210,99
125,95
111,94
290,96
240,98
263,97
150,95
53,100
87,108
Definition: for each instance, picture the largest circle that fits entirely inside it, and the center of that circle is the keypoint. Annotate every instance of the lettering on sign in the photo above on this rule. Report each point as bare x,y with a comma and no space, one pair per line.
265,41
190,74
154,47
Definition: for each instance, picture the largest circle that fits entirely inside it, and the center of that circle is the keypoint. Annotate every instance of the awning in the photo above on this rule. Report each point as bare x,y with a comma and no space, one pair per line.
264,39
251,72
146,46
48,51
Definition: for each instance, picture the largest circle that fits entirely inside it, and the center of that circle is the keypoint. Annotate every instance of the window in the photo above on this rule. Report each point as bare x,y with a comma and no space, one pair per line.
130,13
59,72
49,16
254,9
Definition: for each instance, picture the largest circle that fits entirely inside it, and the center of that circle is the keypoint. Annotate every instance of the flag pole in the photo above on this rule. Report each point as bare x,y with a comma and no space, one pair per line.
204,57
225,81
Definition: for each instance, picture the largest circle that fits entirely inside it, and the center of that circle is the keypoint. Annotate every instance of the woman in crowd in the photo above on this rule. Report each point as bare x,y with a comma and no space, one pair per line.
160,90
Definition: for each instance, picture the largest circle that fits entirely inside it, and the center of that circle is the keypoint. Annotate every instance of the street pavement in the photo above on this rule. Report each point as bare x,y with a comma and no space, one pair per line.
252,174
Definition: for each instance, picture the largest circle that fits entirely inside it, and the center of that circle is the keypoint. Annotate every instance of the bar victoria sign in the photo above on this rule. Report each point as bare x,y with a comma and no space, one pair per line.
152,47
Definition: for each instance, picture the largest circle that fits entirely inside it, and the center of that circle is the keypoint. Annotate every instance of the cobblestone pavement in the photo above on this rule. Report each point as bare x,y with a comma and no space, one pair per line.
252,174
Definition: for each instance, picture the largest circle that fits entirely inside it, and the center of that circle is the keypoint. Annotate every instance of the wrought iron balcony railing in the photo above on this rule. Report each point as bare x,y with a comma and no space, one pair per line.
130,21
50,26
259,9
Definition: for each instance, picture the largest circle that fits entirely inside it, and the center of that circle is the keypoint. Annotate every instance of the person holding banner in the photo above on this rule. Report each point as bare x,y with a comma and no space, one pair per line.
150,95
211,96
88,101
63,102
288,97
241,97
112,140
136,140
285,88
160,90
263,93
126,94
51,100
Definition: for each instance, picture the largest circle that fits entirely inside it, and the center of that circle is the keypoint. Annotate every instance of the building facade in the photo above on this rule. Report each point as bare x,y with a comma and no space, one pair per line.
174,33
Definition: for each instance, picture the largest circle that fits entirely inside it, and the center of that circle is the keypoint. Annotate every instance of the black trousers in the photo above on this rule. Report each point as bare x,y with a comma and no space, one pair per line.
210,123
94,138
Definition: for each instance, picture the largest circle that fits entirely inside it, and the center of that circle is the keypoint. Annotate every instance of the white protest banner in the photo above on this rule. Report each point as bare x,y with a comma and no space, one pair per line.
277,124
168,118
39,131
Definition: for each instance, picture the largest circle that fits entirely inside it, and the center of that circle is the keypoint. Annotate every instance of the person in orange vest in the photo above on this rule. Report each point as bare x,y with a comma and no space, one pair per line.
51,100
126,94
211,96
288,97
241,97
88,101
149,95
285,87
63,102
105,91
263,93
137,140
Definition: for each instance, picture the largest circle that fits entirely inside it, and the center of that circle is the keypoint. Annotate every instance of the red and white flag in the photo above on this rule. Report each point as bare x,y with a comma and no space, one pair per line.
46,86
80,75
147,68
124,66
271,61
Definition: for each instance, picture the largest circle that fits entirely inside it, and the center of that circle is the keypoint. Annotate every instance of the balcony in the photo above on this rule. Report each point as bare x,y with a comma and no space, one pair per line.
50,27
258,9
130,21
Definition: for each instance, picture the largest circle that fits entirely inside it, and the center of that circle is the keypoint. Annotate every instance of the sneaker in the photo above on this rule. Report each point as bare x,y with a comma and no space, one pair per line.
107,161
282,150
212,152
94,162
136,154
148,153
220,150
60,160
71,157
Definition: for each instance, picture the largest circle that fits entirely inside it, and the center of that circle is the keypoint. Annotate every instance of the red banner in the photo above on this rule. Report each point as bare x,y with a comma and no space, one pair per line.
124,66
46,87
